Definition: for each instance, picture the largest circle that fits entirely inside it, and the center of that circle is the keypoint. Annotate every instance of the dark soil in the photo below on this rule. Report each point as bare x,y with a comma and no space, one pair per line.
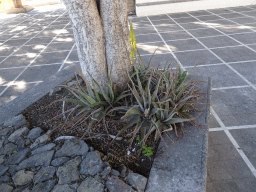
47,114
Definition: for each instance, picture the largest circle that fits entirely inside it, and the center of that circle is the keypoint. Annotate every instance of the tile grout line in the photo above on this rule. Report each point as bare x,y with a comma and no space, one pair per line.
179,63
66,58
234,127
26,42
248,82
31,61
235,144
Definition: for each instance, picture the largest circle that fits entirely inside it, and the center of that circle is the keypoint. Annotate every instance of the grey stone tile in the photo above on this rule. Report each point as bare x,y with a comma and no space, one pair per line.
151,48
204,32
159,60
183,45
239,119
251,13
15,42
222,76
26,34
201,57
148,38
218,171
144,30
208,17
222,152
38,40
76,64
2,88
64,38
5,37
247,70
246,184
238,169
7,75
30,50
226,186
2,58
220,41
59,47
138,19
220,11
15,90
231,15
195,25
210,187
178,15
48,58
234,54
244,135
185,20
73,56
221,23
218,138
249,148
230,29
175,35
38,73
200,13
17,61
138,25
252,46
243,21
240,9
158,17
168,27
237,101
213,123
163,22
247,38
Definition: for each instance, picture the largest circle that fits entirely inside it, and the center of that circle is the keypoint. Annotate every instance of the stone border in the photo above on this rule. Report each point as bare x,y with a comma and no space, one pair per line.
183,166
19,10
16,106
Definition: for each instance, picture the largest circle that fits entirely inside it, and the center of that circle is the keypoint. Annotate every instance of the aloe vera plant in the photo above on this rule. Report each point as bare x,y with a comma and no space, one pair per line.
93,102
155,110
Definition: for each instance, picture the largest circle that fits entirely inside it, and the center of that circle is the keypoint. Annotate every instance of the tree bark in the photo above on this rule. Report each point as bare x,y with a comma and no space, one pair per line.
89,38
102,38
115,26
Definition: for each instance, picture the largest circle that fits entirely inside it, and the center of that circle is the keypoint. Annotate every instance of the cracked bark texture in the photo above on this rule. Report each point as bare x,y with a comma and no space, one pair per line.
102,38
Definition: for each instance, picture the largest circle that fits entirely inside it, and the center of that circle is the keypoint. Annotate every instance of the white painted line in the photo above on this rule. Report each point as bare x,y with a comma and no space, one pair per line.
215,129
179,63
30,62
231,87
253,86
18,83
66,58
234,127
233,141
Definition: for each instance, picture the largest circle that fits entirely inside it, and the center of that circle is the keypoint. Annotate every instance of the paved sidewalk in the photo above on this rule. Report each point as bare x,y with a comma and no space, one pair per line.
222,43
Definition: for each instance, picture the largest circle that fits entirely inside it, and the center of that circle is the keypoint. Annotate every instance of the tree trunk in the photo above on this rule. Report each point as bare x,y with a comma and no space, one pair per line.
102,38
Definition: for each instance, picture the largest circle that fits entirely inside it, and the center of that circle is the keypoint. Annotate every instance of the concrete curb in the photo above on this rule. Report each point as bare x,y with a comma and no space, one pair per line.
182,166
19,10
21,102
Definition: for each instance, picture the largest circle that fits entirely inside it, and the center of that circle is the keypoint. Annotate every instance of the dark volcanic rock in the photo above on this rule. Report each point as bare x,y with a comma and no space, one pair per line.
69,172
23,177
47,147
18,157
72,148
3,169
44,187
137,181
5,187
62,188
34,133
90,185
19,133
59,161
114,184
43,158
92,164
15,122
45,173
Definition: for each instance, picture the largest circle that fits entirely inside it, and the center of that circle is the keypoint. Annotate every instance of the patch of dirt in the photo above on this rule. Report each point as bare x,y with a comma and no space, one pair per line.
47,114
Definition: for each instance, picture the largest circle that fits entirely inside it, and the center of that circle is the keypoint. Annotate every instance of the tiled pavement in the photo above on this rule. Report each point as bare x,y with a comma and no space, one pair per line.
222,43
